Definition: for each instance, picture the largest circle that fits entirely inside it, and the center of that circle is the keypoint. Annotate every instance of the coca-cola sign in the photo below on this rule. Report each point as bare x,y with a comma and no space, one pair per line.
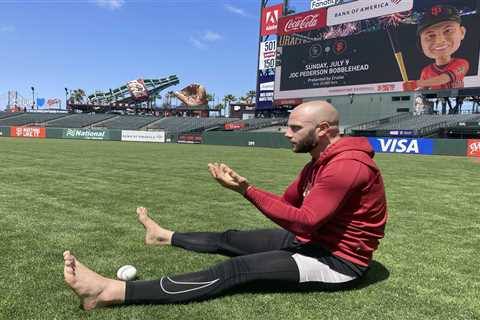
310,20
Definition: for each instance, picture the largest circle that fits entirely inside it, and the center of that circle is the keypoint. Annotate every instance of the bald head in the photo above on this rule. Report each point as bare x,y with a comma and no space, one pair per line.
317,112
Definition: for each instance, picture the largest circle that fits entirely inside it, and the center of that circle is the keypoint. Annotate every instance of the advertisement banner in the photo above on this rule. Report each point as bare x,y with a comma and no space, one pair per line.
268,52
138,90
317,4
40,102
270,16
473,148
401,145
310,20
365,9
190,138
396,56
27,132
234,126
265,91
87,134
143,136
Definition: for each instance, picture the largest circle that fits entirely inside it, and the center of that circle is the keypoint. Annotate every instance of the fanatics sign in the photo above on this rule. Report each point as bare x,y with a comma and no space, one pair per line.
270,16
317,4
305,21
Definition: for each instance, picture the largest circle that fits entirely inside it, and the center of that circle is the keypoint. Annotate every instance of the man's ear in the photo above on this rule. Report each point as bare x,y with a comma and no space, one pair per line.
322,128
464,31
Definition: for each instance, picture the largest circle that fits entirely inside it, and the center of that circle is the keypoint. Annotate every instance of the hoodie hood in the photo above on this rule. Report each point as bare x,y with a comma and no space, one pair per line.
347,144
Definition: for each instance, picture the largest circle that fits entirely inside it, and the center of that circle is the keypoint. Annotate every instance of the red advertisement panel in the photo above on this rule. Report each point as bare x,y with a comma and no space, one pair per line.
293,102
189,138
270,17
473,148
28,132
234,126
305,21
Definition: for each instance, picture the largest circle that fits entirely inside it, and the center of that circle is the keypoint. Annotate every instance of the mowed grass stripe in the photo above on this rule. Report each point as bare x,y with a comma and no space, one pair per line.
81,195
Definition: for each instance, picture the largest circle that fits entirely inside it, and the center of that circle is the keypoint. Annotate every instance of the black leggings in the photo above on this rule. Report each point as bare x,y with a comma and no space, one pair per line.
264,255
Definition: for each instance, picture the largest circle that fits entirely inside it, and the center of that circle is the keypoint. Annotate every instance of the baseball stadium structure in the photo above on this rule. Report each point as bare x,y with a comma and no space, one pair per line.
135,94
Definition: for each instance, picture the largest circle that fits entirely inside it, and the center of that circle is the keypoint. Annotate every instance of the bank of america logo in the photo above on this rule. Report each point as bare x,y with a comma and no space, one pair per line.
396,1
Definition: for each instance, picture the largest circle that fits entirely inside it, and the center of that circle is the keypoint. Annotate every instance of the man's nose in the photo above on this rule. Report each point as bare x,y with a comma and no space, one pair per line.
440,38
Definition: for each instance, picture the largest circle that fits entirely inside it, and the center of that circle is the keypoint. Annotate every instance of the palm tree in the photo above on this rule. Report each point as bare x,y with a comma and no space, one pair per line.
210,97
78,96
227,100
250,95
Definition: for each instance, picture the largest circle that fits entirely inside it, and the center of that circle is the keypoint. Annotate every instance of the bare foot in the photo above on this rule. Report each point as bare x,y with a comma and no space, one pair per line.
93,290
154,234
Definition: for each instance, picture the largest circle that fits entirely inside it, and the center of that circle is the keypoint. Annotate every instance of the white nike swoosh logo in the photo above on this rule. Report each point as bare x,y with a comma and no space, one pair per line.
196,285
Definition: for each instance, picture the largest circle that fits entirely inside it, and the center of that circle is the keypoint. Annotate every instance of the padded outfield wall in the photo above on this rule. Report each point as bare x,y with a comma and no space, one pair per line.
401,145
421,146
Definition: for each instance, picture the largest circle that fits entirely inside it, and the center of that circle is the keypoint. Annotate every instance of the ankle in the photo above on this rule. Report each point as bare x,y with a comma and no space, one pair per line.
113,292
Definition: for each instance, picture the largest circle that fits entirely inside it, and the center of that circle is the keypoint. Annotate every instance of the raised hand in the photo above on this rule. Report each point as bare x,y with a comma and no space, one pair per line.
228,178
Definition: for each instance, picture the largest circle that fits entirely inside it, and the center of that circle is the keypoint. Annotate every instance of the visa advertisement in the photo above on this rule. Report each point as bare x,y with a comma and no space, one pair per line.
381,46
402,145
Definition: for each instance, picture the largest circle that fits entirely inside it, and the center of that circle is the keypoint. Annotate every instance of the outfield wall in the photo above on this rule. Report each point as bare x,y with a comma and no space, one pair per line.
451,147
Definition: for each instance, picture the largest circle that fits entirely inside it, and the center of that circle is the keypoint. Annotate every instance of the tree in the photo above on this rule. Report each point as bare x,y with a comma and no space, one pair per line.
78,96
210,97
227,100
250,96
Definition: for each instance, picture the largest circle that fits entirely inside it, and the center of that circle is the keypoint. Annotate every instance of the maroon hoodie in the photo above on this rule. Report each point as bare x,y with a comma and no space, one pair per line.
338,201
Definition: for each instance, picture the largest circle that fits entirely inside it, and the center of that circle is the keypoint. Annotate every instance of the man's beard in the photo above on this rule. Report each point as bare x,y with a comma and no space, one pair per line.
307,144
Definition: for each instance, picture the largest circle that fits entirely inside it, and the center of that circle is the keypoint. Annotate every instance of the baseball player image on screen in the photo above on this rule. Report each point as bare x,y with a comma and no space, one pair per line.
440,34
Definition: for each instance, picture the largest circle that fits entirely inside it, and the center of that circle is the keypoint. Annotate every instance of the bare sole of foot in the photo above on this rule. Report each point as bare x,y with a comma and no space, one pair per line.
154,234
93,290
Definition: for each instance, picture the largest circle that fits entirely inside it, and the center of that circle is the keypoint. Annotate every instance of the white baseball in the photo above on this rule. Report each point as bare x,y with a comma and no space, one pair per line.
127,273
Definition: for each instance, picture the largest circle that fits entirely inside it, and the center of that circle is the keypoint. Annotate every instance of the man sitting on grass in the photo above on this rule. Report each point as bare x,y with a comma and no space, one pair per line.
331,217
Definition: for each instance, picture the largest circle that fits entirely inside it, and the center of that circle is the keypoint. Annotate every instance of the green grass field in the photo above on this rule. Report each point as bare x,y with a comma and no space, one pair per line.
82,195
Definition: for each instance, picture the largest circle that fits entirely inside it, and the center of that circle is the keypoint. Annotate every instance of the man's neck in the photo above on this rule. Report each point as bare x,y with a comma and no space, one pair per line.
317,152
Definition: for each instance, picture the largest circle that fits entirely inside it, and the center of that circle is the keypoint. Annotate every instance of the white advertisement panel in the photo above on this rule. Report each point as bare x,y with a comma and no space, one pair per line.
268,51
143,136
365,9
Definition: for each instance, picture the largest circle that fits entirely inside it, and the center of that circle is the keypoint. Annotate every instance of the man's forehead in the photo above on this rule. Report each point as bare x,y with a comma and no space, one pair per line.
299,119
441,25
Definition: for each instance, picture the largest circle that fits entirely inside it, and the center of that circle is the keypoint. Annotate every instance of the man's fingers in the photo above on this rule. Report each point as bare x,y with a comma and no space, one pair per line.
238,177
211,169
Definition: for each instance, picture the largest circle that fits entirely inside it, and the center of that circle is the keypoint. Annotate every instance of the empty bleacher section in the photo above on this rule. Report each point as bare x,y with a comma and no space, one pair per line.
7,114
78,120
176,125
420,125
127,122
30,118
256,124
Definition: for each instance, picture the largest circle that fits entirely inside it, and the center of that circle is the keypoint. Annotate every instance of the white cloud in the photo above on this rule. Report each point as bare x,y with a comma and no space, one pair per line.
211,36
201,40
236,10
110,4
5,29
198,44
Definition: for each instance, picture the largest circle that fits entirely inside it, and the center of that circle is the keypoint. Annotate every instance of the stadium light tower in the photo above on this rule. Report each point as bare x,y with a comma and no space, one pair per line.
66,97
33,97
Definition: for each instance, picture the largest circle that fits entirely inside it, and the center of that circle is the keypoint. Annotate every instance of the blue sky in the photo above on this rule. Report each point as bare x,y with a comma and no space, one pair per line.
102,44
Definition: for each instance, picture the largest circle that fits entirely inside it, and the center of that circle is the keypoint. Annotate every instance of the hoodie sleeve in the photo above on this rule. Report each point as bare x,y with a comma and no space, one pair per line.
326,197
